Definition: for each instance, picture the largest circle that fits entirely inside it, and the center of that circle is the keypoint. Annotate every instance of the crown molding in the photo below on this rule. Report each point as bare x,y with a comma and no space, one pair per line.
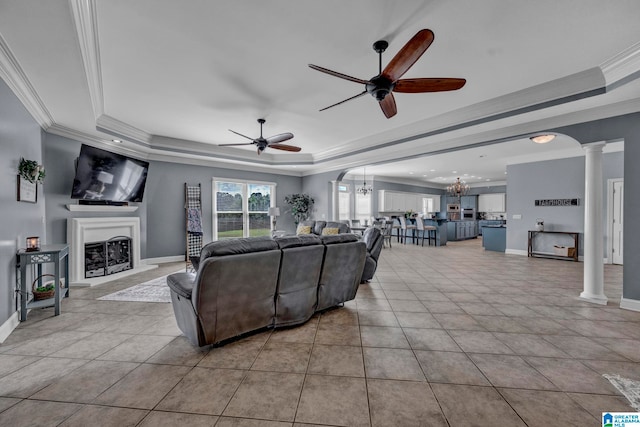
86,22
120,129
622,66
570,88
12,73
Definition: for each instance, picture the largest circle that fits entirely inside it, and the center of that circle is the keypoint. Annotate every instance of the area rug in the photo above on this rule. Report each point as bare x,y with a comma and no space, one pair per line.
155,290
629,388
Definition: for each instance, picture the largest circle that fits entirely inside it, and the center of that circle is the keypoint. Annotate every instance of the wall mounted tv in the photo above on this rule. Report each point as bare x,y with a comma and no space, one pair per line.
106,178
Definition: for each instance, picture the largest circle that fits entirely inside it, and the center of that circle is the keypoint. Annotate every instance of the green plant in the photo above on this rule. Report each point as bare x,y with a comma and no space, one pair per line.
31,170
300,206
46,288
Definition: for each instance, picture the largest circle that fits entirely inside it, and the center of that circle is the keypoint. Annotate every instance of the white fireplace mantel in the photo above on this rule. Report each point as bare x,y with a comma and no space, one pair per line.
87,230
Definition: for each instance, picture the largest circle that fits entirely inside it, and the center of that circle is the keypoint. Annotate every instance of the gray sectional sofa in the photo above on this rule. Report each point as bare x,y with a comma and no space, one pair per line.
248,284
318,226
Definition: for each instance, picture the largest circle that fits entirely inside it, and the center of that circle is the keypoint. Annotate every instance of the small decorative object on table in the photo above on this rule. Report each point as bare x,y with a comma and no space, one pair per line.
33,244
539,224
46,291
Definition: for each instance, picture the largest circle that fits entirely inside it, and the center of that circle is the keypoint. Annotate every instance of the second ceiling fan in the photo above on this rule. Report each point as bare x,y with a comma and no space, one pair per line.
261,142
388,80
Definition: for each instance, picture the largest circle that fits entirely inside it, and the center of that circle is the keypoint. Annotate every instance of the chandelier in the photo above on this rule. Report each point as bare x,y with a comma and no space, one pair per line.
458,188
364,189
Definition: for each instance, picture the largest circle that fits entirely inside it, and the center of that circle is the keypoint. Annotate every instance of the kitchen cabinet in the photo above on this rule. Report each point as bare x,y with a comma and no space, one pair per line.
462,230
394,202
468,202
489,223
495,202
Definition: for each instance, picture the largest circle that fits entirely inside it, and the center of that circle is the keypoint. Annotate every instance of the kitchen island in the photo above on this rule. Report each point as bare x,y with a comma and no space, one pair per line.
494,238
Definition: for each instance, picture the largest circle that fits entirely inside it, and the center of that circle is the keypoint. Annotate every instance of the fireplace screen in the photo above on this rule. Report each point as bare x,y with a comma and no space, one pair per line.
108,257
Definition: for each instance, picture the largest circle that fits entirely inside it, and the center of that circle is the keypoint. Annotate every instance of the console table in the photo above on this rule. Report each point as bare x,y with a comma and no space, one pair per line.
532,253
46,254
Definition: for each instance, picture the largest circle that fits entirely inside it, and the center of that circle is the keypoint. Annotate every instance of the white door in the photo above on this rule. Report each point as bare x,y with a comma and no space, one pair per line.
616,227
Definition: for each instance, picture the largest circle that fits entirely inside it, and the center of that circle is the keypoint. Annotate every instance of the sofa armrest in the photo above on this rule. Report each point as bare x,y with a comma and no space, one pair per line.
181,284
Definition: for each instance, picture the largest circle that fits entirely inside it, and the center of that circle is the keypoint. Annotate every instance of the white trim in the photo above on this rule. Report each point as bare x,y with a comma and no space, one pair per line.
12,73
516,252
162,260
622,64
9,325
630,304
85,19
119,128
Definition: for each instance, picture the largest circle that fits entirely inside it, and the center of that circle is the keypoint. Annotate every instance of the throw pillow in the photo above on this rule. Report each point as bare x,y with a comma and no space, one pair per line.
327,231
303,229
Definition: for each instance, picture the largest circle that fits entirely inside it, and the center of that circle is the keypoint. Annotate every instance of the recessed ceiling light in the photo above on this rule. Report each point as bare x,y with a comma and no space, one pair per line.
543,139
454,171
505,172
432,170
479,177
411,173
466,174
487,179
424,176
116,140
473,176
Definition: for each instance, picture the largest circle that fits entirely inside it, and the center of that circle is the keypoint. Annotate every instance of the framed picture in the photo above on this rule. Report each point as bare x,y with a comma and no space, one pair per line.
27,191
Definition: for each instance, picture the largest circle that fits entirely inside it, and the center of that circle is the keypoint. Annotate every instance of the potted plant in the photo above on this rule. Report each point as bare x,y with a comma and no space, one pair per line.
31,171
300,206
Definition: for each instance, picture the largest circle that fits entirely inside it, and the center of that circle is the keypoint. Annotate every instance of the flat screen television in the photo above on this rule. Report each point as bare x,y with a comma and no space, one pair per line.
103,177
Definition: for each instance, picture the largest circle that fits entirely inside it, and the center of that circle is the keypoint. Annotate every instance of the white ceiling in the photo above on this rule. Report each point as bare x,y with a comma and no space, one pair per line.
170,78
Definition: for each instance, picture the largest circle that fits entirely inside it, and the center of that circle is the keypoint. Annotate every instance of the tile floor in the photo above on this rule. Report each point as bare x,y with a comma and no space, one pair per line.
442,336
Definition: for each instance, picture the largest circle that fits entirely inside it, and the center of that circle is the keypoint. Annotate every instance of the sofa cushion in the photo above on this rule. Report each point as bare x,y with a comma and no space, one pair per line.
237,246
343,228
303,229
330,230
297,241
333,239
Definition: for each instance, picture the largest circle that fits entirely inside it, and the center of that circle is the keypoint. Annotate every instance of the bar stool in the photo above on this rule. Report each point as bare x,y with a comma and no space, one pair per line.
404,228
431,233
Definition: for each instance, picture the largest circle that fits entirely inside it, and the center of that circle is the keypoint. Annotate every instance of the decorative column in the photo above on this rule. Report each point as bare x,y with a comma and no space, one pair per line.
336,200
593,230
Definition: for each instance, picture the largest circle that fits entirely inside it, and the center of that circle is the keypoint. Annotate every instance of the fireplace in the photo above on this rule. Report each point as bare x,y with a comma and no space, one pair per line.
103,249
107,257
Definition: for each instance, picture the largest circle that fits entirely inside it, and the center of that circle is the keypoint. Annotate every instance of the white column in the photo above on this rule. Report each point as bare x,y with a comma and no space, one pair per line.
336,200
593,230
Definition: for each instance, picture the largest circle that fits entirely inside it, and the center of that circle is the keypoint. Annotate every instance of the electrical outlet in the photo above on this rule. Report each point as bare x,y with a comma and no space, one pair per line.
516,216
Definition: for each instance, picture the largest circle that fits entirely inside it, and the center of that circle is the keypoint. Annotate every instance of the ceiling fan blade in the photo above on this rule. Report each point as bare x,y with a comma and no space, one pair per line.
342,102
388,105
408,55
337,74
275,139
285,147
428,85
244,136
231,145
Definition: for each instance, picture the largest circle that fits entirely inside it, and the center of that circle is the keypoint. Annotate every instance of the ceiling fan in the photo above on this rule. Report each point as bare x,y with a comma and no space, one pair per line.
271,142
388,80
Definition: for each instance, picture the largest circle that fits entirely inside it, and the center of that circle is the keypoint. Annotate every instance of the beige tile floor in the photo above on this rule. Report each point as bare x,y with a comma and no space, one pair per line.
442,336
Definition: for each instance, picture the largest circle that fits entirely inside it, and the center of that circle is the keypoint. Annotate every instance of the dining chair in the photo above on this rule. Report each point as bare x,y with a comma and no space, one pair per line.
387,230
425,232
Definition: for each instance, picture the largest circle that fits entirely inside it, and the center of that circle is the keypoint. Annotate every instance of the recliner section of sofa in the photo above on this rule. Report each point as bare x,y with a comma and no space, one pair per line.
374,240
248,284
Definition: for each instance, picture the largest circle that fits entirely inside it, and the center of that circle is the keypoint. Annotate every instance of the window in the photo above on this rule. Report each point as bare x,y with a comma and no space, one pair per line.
363,207
344,202
241,209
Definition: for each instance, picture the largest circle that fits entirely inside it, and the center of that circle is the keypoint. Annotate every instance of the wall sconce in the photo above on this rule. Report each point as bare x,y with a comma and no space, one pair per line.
33,244
274,212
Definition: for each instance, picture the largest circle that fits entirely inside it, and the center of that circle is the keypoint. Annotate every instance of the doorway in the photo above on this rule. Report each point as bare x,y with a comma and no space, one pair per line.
616,220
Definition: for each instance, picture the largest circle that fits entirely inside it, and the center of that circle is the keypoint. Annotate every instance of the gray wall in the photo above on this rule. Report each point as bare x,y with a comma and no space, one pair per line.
552,179
164,197
20,136
319,187
162,214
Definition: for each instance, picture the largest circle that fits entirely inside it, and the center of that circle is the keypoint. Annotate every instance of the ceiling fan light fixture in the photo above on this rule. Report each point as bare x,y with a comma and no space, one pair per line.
543,139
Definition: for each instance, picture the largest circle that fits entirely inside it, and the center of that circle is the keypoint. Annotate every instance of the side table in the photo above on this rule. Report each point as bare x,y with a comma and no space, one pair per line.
46,254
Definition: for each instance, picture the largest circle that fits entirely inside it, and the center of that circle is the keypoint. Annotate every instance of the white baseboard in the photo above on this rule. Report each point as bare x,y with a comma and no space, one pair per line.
515,252
630,304
162,260
8,326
